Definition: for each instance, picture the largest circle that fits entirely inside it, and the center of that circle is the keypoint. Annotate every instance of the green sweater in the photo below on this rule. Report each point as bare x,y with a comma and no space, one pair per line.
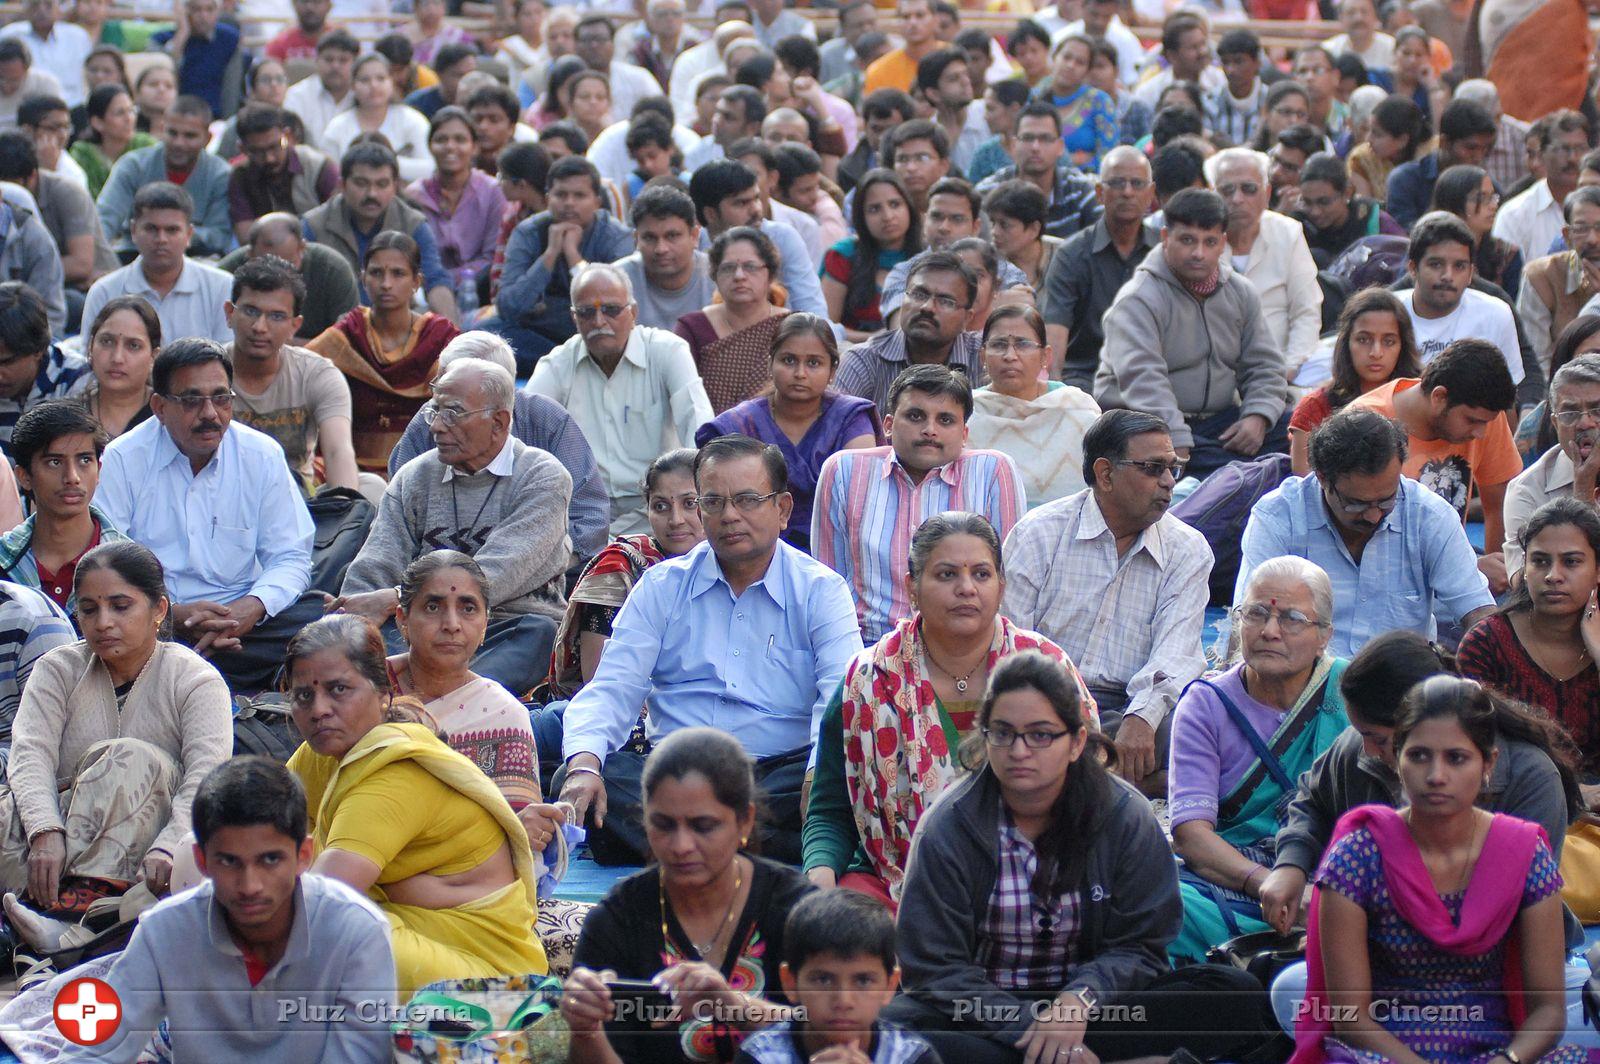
829,838
96,167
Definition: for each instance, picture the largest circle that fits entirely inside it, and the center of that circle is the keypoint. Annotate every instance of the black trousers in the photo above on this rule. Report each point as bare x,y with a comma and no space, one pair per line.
622,841
1211,1010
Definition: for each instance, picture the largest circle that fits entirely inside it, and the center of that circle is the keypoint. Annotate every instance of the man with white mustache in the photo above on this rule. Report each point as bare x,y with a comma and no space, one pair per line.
1572,466
633,390
1559,288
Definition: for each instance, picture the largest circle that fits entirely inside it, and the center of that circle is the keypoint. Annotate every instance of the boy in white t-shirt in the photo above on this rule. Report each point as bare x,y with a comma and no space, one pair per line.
1443,308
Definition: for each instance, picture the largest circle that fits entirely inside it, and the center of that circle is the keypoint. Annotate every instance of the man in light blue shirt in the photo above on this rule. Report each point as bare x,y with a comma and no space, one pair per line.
219,506
1394,550
744,633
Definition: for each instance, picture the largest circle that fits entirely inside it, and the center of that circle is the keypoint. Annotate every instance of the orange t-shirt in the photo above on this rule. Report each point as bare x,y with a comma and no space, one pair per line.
893,70
1448,469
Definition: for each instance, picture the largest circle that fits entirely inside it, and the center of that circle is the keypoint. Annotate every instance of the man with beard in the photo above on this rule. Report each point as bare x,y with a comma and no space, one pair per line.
1041,159
939,296
1223,397
543,254
633,390
945,84
870,501
369,203
1119,584
1556,288
1533,220
1572,466
1444,308
216,502
1395,552
952,215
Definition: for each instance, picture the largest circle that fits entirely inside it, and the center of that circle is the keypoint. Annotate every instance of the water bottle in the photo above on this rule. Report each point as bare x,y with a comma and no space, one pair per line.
466,299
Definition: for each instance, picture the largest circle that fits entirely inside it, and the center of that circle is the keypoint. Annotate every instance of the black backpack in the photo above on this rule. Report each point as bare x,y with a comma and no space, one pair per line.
1219,509
262,725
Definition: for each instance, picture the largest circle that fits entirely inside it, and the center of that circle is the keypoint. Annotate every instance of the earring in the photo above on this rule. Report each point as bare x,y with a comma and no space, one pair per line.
744,842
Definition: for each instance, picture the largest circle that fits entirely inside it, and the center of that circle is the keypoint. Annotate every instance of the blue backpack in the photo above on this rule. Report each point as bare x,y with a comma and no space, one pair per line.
1219,509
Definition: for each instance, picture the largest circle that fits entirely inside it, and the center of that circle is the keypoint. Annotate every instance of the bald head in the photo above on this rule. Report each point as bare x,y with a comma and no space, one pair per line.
277,234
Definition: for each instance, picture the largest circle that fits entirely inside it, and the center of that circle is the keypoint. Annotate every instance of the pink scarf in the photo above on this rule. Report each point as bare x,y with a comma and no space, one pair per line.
1490,905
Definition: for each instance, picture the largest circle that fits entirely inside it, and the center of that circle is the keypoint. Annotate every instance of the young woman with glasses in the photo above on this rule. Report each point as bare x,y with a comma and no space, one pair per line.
1038,422
1468,193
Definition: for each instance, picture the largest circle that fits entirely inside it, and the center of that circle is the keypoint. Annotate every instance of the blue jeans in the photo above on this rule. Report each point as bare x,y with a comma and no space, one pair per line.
515,651
1207,455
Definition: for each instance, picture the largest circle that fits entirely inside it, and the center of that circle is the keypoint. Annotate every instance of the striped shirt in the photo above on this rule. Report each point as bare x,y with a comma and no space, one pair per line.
1133,622
869,369
867,508
30,627
61,374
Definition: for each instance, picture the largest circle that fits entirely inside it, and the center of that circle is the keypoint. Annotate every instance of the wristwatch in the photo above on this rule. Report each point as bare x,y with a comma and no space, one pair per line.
1091,1000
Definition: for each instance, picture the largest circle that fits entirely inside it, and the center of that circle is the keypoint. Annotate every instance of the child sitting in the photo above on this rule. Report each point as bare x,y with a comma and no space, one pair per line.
653,152
840,971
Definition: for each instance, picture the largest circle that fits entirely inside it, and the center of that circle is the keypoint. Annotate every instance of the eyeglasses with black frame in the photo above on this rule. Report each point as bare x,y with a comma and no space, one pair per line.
1353,507
1002,737
1154,467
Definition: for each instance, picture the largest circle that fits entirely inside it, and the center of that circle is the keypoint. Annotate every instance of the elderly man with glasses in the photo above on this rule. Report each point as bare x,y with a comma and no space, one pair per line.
1572,466
217,503
487,494
633,390
1397,553
744,633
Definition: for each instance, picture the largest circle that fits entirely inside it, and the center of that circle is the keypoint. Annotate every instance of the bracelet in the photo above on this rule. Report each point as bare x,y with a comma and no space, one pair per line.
1245,886
578,770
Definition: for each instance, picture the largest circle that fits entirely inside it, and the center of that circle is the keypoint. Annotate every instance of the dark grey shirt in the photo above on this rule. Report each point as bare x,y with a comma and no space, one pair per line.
1085,276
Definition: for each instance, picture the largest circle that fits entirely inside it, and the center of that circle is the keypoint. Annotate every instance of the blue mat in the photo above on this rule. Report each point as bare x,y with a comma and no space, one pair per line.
585,880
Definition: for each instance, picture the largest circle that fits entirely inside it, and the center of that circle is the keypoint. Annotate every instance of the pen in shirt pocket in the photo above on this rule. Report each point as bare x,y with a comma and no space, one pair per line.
770,640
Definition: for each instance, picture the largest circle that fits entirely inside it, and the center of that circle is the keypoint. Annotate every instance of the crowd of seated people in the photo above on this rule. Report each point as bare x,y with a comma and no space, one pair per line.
990,504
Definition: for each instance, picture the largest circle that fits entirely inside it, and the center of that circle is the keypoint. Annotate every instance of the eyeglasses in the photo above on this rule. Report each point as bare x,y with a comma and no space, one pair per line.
1126,184
1154,468
733,269
1248,188
1558,148
1483,199
448,415
610,310
746,501
194,403
1001,737
55,129
1290,622
1000,345
1352,507
1582,232
1571,415
920,296
275,317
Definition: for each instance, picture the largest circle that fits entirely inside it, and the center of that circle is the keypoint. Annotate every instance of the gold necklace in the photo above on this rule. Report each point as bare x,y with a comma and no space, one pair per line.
704,950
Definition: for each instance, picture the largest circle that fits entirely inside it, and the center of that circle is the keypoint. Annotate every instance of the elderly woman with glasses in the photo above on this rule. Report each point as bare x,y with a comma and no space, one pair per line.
1022,413
731,340
1241,739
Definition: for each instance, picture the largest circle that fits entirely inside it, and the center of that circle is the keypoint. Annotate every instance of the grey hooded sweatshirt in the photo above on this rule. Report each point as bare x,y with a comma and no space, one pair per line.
1179,357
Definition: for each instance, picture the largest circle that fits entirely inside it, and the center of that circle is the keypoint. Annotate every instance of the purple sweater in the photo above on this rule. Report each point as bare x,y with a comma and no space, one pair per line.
1209,754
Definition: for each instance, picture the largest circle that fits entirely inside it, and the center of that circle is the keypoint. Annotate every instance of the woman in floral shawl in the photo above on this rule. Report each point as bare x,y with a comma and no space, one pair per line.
889,739
387,352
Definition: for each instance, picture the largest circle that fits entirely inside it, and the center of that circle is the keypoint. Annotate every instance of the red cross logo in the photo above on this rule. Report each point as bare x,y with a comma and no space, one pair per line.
87,1011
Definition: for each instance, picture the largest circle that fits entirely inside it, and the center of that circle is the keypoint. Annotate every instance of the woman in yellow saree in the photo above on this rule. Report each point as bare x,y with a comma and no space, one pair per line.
398,815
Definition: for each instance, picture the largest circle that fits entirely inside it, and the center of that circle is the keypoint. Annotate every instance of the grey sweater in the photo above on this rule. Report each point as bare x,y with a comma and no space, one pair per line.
514,526
1129,909
1173,355
1524,783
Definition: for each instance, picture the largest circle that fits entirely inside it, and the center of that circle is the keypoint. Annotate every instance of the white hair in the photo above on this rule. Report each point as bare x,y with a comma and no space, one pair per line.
498,383
1307,573
1364,101
1480,91
602,269
1254,158
483,345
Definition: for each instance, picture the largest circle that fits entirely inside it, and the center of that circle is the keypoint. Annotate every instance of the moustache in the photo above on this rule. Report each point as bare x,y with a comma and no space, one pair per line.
208,426
598,333
1586,437
923,316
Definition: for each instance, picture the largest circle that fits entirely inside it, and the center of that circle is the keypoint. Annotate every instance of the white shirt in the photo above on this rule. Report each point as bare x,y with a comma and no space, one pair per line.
787,24
1531,221
315,105
1212,81
238,527
1129,51
1281,270
973,134
609,152
652,402
686,71
67,167
1478,316
629,85
192,308
39,82
62,54
1378,57
504,464
405,127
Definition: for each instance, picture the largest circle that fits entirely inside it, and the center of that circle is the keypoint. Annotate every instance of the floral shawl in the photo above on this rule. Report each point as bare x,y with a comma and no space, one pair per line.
605,581
897,760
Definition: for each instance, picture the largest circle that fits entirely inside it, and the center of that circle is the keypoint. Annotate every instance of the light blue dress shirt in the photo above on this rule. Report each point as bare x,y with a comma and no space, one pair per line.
238,527
760,667
1418,562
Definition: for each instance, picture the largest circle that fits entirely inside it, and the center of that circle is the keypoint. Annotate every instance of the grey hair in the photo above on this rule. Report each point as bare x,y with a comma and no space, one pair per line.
1480,91
480,343
783,114
602,269
1303,571
1256,159
499,386
1585,369
1364,101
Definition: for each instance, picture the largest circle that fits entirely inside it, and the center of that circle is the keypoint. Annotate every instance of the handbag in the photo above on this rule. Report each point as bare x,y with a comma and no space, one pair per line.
1263,954
1580,870
496,1020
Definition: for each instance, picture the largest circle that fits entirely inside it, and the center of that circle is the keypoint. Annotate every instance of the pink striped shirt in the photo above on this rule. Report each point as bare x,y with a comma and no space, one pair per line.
867,509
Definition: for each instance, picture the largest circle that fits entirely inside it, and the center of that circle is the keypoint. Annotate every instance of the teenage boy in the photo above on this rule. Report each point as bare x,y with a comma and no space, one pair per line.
261,961
56,447
839,968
